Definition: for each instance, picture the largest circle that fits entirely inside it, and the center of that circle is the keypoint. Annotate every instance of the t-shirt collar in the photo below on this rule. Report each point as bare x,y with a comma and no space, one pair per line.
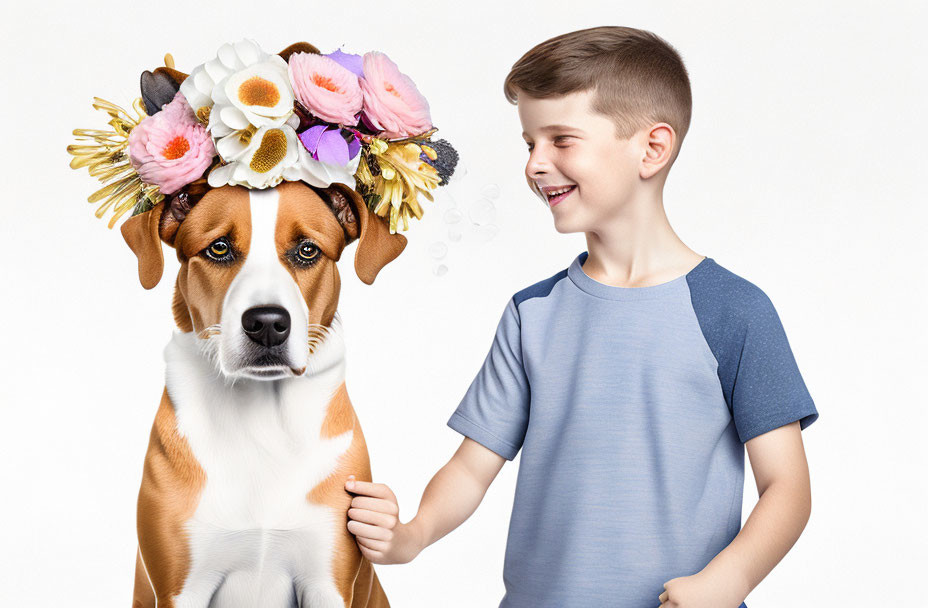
611,292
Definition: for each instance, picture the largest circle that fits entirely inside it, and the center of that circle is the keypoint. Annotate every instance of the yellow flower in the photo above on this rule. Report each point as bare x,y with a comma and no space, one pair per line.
106,157
403,176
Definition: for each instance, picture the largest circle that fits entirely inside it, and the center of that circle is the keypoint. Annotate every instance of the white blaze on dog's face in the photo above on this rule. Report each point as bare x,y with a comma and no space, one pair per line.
258,277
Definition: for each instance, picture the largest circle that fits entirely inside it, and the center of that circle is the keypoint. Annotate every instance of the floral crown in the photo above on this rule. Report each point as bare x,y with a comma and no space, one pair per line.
253,119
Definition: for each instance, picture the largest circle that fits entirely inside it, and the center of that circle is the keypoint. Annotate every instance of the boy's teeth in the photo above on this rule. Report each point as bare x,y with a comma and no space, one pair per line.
556,192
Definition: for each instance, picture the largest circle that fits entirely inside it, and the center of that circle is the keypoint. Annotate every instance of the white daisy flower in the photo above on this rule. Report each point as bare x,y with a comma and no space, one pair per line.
259,161
241,86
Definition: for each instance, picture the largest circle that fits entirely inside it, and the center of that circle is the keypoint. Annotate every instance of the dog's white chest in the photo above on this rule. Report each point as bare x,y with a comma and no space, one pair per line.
260,447
262,453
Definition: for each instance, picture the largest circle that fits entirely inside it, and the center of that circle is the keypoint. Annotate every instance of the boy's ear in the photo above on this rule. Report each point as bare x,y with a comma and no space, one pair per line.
376,246
142,234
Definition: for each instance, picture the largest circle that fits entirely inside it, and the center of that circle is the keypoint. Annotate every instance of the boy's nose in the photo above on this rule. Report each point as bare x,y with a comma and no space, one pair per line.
536,165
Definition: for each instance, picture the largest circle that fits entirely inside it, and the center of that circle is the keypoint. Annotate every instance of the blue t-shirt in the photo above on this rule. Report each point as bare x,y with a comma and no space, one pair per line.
631,406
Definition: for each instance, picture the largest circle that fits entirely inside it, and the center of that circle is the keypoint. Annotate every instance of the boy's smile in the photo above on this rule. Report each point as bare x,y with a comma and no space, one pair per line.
576,164
556,194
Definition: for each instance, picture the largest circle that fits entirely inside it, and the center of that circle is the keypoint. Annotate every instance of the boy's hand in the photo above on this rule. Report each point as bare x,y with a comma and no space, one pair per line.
374,520
700,590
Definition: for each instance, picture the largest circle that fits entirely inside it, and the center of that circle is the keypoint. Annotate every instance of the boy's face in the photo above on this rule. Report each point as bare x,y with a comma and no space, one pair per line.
571,146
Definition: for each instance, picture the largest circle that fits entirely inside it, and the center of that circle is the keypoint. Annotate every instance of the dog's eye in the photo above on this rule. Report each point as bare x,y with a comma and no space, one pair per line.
219,250
305,253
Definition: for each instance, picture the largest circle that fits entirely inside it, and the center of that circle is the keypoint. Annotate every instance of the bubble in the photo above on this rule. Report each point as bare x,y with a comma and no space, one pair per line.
454,234
452,216
486,233
490,191
440,270
482,212
438,250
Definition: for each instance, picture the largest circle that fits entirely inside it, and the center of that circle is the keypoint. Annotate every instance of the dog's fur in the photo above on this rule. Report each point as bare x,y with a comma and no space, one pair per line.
242,501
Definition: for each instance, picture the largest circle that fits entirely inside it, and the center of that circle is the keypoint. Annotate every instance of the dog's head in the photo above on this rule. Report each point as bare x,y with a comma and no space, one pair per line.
258,281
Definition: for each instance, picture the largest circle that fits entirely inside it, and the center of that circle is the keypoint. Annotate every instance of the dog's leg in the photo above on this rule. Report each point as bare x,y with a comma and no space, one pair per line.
144,595
171,482
367,590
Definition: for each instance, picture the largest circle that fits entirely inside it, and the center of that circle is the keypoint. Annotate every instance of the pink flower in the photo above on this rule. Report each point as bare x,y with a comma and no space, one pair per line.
391,100
170,148
327,89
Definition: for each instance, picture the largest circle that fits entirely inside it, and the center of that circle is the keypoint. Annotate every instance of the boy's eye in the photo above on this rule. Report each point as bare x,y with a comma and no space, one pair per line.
558,139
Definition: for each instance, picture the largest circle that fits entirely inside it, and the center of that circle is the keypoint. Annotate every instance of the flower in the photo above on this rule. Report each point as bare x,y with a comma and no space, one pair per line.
256,159
391,100
198,86
259,95
170,149
327,144
104,153
327,89
399,175
241,86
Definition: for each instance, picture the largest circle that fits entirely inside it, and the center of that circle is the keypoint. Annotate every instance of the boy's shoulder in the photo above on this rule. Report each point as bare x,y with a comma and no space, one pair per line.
541,289
718,292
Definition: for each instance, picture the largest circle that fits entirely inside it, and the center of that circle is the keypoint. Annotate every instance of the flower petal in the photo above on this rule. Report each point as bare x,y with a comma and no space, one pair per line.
233,117
230,147
332,148
249,51
310,137
354,146
229,57
220,175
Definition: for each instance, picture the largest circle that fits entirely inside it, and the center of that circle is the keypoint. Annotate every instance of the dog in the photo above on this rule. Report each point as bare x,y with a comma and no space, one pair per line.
242,500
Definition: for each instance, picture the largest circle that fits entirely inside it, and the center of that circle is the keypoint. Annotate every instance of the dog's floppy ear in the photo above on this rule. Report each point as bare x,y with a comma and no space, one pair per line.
142,235
376,246
145,232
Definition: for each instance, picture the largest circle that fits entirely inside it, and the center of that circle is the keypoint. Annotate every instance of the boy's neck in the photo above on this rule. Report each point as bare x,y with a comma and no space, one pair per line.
638,248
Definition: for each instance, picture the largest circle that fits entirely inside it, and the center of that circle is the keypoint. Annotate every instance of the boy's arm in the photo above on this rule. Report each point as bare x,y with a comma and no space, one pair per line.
782,474
449,499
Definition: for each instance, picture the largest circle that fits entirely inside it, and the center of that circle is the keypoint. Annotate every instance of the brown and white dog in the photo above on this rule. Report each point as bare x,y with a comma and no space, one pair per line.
242,501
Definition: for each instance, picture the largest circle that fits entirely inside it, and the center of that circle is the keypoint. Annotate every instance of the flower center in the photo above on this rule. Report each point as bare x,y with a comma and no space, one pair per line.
272,150
390,89
324,82
203,114
176,148
257,91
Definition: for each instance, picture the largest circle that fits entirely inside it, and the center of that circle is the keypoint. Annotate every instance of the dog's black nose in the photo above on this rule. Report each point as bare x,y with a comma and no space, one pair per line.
267,325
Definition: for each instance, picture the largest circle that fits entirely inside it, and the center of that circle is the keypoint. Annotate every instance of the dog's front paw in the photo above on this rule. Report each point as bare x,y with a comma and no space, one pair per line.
322,596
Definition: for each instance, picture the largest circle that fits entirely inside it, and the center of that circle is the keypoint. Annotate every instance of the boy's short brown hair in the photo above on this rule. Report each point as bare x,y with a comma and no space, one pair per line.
638,78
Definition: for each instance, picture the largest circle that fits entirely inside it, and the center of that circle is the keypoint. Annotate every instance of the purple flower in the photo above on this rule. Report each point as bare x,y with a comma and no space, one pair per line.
326,144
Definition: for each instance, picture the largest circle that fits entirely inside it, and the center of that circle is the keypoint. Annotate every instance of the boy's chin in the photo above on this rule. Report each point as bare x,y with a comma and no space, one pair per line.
567,223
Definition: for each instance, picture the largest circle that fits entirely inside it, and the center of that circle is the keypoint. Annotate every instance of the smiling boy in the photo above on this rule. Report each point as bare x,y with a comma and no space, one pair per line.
632,381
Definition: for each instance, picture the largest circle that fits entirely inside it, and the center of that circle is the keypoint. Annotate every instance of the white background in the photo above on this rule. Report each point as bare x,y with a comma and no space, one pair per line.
803,172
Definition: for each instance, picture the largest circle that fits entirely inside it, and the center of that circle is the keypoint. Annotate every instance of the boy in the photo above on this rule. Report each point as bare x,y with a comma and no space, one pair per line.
630,380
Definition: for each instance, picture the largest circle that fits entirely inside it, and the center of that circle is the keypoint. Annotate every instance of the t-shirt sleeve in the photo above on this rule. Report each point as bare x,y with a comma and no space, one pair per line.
494,411
767,391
